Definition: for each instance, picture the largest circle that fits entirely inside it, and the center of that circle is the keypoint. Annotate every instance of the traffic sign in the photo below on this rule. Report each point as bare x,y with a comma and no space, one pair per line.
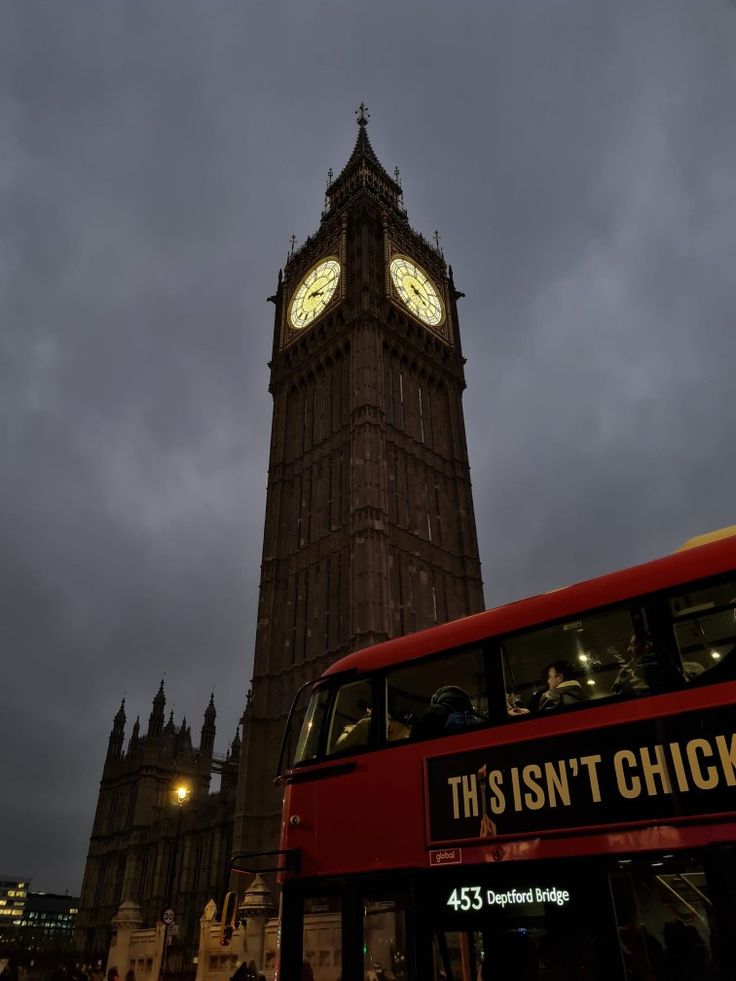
168,917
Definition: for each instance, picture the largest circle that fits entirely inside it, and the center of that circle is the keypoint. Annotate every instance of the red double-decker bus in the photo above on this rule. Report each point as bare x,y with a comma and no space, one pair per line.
544,790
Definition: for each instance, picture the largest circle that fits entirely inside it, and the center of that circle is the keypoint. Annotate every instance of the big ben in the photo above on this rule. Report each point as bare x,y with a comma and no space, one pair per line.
369,529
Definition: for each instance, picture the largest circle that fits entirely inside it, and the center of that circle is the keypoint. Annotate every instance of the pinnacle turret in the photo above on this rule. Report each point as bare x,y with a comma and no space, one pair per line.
120,717
156,719
117,735
235,745
135,737
207,738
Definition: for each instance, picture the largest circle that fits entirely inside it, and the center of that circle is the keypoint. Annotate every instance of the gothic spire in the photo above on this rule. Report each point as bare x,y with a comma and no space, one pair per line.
120,717
364,170
235,745
156,719
207,738
135,737
117,735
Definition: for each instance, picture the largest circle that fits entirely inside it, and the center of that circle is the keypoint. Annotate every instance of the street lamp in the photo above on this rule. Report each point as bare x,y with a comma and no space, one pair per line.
182,793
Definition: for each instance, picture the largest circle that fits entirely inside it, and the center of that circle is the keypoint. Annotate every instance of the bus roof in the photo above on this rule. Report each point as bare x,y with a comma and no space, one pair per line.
711,536
697,562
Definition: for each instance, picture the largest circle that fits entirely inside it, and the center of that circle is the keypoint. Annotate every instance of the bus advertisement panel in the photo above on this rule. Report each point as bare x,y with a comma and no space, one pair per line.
655,770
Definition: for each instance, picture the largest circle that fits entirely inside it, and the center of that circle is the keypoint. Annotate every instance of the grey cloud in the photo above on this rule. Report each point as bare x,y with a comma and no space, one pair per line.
577,159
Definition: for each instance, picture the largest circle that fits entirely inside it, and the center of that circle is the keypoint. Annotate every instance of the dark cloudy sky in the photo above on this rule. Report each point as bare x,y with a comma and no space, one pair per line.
579,160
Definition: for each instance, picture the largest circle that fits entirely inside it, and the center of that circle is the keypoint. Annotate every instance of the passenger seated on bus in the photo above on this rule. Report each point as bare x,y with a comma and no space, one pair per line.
513,704
449,710
537,695
563,688
397,728
640,669
355,734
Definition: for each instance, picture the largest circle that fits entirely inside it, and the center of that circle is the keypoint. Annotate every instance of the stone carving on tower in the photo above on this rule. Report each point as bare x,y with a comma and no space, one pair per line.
369,528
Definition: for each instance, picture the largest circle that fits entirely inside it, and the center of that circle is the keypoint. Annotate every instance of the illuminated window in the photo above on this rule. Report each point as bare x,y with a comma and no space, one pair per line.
595,656
350,725
705,628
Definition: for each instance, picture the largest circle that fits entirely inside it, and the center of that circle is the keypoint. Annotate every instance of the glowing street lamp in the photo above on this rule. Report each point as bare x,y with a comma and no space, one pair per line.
182,793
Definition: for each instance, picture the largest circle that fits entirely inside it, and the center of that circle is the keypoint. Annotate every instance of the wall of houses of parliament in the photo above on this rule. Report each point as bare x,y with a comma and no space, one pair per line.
147,847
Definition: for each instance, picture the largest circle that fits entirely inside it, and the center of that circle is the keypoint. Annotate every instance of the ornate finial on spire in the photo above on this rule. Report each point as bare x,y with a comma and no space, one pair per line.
363,115
397,176
330,175
292,246
437,240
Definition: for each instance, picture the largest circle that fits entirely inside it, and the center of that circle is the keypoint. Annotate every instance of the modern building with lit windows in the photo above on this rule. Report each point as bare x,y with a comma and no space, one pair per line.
48,921
13,898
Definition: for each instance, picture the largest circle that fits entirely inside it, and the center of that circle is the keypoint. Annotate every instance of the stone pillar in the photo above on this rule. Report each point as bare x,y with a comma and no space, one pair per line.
256,908
205,929
128,920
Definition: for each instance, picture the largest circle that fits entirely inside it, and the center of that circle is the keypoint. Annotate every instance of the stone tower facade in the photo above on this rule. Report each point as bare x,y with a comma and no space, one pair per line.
146,848
369,529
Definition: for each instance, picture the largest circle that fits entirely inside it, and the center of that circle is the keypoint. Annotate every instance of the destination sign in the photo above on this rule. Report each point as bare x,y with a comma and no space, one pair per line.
463,899
659,769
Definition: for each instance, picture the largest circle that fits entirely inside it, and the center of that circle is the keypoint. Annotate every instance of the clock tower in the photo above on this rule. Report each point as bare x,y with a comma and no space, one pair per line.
369,529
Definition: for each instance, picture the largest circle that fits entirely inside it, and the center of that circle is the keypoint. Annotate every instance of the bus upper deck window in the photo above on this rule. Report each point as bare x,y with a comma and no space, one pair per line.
436,696
351,721
705,629
308,744
586,658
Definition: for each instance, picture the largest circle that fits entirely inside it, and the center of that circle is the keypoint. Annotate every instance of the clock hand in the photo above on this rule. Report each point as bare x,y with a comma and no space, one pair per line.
316,293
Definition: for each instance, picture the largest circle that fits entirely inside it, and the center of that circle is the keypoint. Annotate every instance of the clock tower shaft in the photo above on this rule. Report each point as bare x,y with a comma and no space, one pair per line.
369,528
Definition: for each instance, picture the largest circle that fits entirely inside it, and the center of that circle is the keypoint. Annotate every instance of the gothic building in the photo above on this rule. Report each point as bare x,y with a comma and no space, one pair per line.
369,528
145,844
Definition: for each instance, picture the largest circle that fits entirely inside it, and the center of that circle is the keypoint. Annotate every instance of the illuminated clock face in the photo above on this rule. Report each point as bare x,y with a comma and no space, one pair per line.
314,293
417,291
